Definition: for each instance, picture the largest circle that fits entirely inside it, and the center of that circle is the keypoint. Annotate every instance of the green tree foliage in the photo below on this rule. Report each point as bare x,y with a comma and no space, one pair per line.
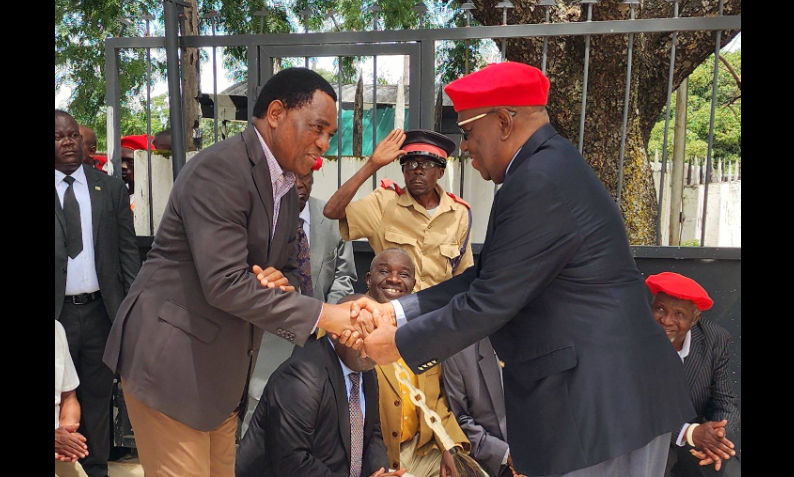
728,121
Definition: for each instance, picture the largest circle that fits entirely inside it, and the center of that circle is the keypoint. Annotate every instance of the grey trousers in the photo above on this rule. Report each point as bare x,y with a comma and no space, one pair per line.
650,461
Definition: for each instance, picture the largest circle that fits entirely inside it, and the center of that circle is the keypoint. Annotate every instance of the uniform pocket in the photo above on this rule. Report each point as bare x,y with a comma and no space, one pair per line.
450,250
399,238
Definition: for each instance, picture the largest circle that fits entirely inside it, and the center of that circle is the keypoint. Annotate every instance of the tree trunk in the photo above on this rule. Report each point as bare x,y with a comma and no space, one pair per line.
608,65
190,69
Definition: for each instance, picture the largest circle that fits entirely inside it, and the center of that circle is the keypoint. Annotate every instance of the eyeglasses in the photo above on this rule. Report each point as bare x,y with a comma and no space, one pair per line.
413,165
465,133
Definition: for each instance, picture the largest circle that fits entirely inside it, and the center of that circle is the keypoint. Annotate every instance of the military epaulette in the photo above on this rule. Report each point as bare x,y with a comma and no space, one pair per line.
391,185
458,200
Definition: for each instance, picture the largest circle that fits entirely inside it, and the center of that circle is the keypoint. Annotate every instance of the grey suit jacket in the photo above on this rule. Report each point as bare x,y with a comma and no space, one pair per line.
708,373
473,383
333,264
117,258
186,337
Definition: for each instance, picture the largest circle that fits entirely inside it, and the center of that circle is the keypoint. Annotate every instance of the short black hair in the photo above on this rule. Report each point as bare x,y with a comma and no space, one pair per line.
295,87
61,113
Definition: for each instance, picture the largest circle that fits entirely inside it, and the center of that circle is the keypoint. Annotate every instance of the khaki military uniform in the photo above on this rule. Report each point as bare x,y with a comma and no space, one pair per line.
391,218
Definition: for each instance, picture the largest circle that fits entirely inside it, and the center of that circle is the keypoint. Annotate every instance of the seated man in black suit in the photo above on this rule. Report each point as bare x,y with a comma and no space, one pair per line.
318,417
702,447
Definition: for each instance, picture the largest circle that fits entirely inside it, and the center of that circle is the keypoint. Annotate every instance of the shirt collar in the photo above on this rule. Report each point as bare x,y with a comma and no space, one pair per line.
513,161
687,349
79,176
306,215
277,174
444,204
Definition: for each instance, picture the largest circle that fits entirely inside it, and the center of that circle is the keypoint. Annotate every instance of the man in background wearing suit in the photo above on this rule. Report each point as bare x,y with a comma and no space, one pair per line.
318,417
187,337
705,348
592,387
96,261
473,381
327,271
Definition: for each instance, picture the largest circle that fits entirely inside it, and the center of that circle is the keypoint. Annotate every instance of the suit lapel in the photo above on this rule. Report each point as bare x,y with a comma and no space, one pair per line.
693,362
97,198
318,244
340,390
541,137
489,367
260,171
372,405
59,213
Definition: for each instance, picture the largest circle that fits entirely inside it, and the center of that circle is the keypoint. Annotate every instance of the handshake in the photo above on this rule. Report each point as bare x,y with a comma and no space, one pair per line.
364,325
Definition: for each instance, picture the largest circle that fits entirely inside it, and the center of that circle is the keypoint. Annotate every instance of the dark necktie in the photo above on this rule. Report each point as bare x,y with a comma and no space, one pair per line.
356,427
74,226
304,262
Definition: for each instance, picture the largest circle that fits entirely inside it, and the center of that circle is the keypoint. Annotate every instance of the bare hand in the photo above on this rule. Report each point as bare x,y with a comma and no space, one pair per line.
385,311
706,461
272,278
69,444
389,149
448,468
381,345
348,330
512,467
711,438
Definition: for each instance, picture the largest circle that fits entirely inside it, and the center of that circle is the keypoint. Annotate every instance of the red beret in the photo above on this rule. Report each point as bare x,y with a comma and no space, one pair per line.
503,84
681,287
318,165
136,143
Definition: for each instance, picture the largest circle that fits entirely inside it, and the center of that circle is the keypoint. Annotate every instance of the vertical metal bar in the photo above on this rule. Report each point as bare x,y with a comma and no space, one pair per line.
149,170
253,79
428,84
113,92
340,133
626,106
665,143
215,81
174,86
546,44
710,155
375,101
586,80
415,93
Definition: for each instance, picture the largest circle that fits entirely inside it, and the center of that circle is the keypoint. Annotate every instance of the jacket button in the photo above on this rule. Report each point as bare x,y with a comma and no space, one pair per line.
397,403
396,465
65,270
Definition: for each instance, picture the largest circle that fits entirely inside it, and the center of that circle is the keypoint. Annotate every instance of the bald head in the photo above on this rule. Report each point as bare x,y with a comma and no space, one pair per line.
89,145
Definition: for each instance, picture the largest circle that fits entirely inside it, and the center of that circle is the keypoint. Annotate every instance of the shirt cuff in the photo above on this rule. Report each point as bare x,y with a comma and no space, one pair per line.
681,442
317,323
399,313
506,460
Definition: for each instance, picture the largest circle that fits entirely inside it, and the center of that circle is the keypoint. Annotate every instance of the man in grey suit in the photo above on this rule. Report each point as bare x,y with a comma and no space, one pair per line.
96,261
332,278
473,381
187,336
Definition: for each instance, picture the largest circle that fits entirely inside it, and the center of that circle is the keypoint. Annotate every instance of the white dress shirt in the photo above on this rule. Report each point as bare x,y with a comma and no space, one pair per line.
65,373
81,276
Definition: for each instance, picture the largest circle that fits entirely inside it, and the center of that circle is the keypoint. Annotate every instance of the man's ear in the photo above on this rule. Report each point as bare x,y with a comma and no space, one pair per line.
506,124
368,279
275,113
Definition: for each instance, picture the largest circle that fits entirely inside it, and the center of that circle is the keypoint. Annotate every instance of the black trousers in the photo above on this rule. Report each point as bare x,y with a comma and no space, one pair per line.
683,464
87,329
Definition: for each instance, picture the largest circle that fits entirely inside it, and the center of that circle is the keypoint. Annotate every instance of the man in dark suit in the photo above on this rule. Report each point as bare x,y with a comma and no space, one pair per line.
473,382
702,447
592,387
187,337
329,275
314,408
96,261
